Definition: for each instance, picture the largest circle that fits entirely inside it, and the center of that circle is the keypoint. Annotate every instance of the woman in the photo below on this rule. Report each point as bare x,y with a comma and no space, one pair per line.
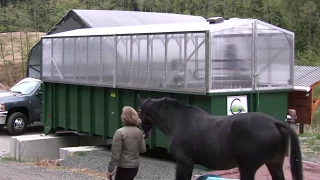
128,143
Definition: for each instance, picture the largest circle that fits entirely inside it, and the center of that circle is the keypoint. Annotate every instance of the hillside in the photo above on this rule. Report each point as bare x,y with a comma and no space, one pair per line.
14,49
15,46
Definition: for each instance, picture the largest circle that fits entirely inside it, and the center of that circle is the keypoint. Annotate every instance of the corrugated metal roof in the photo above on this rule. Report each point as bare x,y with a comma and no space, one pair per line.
114,18
305,76
158,28
235,26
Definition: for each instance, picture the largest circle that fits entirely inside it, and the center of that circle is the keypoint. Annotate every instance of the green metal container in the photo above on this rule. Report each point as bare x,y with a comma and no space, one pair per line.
97,110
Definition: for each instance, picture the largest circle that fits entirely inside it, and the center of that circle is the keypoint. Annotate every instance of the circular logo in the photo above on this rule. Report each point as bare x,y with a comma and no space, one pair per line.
236,106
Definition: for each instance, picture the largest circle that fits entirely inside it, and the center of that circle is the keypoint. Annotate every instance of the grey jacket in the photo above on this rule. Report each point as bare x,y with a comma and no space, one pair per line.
127,145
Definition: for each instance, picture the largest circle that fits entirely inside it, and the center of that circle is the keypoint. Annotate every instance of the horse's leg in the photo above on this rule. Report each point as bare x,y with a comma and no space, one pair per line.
247,173
275,167
183,171
191,171
276,171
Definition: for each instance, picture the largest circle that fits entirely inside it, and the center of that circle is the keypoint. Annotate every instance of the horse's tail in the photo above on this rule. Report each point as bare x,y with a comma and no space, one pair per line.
295,152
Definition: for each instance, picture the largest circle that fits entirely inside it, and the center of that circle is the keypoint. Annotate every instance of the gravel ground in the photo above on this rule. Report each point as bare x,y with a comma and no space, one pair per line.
93,166
10,170
149,169
310,149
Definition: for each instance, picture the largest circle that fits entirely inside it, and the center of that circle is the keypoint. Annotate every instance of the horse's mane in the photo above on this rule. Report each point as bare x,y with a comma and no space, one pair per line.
173,102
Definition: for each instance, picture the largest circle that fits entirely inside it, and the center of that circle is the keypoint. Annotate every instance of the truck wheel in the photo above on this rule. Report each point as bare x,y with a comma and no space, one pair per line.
17,123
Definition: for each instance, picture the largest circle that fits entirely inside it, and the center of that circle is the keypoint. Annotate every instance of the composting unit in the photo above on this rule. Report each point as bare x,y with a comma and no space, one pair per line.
225,67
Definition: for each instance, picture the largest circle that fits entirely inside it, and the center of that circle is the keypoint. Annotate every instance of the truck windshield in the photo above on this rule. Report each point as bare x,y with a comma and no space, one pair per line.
25,87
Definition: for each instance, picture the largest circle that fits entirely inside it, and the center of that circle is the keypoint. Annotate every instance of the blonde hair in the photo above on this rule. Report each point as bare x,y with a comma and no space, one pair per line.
130,116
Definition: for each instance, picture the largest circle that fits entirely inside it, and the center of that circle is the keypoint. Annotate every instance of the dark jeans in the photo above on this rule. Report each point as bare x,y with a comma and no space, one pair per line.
126,173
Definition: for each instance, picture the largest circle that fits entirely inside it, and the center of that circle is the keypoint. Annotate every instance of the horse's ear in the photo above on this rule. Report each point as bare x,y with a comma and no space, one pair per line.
139,100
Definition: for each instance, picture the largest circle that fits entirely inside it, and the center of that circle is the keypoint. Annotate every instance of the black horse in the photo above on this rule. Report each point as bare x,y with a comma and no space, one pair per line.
246,141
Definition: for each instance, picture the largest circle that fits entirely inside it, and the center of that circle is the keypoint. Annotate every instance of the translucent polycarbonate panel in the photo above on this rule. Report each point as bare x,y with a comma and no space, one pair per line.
68,60
157,65
94,60
46,58
195,62
81,73
163,61
274,58
184,66
57,56
175,77
108,54
231,53
139,62
170,62
123,61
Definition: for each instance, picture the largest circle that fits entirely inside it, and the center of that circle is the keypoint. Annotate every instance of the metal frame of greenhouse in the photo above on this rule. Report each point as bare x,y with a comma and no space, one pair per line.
90,74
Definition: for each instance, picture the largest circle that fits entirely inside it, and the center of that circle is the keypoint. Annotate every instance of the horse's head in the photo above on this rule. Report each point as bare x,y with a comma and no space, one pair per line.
146,121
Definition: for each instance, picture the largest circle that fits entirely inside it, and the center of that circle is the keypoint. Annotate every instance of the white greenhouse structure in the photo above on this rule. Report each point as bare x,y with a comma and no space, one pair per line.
234,55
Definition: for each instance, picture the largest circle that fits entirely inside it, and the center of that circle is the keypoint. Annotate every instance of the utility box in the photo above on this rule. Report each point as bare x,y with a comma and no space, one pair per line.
224,67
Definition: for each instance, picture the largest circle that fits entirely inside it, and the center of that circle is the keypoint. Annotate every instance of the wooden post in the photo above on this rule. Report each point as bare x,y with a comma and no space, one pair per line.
301,128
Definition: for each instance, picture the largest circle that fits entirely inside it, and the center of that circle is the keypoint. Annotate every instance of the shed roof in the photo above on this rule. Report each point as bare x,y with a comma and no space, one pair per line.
82,18
305,76
243,26
114,18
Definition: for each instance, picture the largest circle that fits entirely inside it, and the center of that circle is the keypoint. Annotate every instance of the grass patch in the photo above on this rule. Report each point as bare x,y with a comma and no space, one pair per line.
316,148
306,134
311,142
79,153
315,135
7,158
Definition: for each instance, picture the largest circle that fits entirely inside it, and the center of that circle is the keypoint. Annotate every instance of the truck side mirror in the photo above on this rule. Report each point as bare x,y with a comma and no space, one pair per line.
39,93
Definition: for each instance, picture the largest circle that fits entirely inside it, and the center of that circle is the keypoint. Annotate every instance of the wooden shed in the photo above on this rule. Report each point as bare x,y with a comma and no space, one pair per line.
302,99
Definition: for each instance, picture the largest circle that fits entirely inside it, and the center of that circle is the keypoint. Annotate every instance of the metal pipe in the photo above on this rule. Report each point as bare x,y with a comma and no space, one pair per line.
255,64
62,56
126,44
185,60
253,60
87,68
180,50
51,54
148,45
131,49
165,58
196,65
151,46
115,61
292,57
74,58
208,61
139,57
101,64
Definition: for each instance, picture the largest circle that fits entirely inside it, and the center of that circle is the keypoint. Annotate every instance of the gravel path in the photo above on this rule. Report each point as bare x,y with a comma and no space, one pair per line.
150,168
93,166
10,170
